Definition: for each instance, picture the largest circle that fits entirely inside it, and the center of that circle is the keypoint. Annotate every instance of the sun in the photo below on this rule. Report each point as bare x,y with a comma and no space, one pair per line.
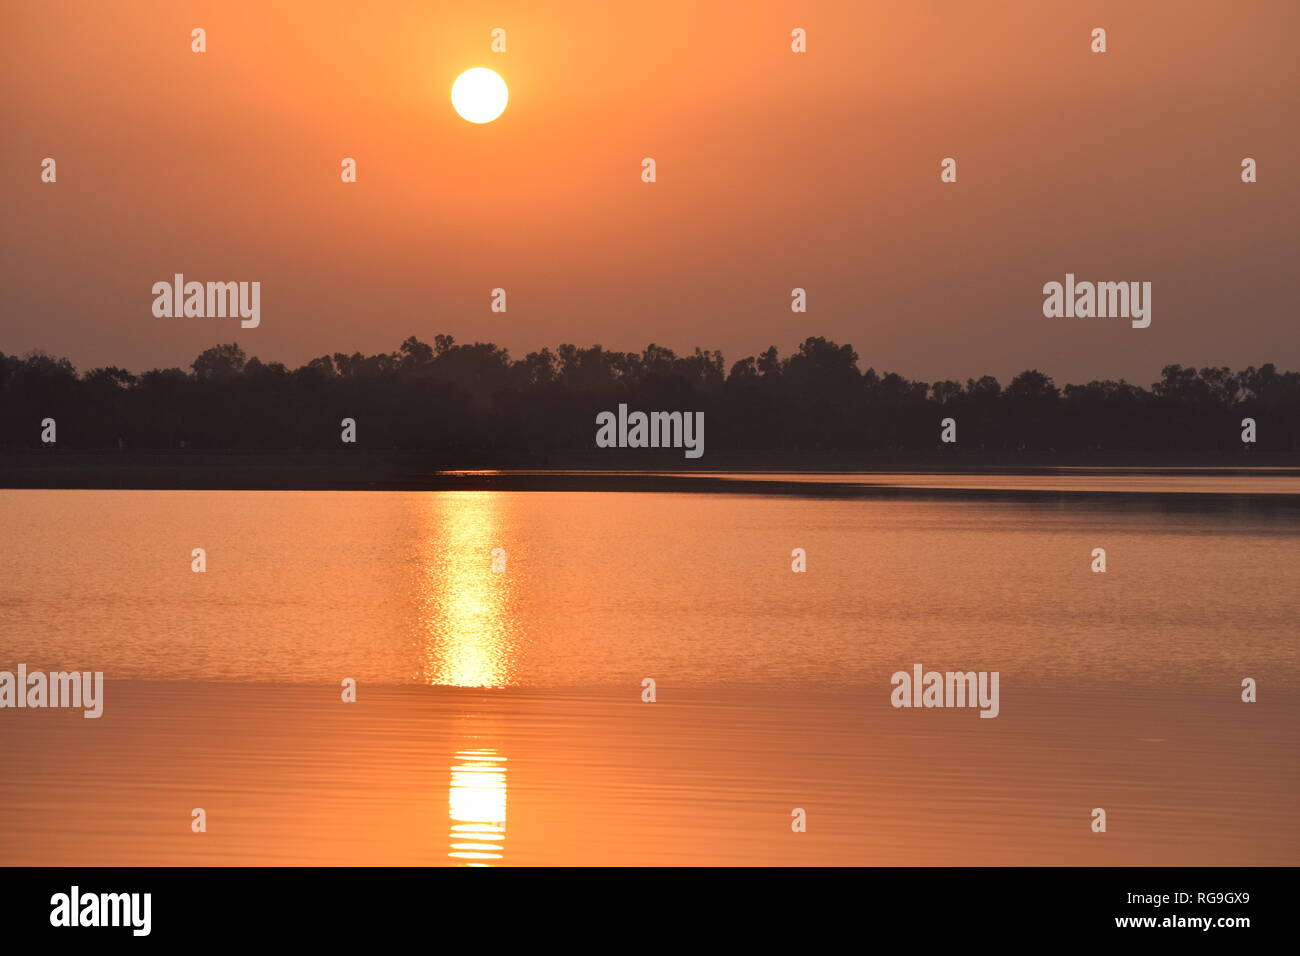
479,95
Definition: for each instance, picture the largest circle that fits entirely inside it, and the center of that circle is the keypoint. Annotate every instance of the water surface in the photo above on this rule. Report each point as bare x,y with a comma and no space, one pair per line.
500,720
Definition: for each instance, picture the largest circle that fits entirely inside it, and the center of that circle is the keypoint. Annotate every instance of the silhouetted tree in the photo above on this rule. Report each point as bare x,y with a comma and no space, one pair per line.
474,403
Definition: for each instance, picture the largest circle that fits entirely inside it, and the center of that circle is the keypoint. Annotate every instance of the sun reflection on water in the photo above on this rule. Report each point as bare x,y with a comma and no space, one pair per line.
476,804
469,637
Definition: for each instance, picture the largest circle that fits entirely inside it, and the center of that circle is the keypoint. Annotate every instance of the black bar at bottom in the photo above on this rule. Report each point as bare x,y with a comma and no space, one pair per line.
330,905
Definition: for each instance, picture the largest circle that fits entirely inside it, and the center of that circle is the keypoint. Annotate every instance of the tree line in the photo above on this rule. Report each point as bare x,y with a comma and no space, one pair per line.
475,403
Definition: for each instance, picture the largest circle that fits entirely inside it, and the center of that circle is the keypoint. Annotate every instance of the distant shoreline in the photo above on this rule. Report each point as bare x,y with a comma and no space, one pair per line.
357,470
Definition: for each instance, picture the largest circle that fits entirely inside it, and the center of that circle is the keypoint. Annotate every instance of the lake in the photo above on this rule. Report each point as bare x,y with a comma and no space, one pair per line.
499,715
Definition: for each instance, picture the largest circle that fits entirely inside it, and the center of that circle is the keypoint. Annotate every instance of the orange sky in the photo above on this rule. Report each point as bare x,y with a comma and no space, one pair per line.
775,170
